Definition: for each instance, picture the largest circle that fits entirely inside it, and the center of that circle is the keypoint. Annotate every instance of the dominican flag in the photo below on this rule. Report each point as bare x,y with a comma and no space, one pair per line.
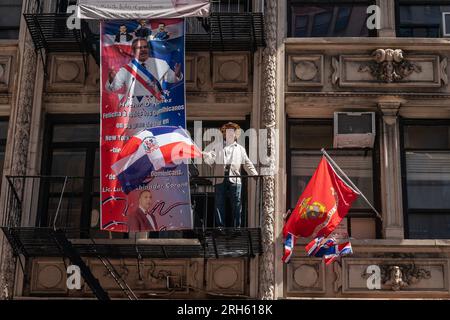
328,248
289,244
151,150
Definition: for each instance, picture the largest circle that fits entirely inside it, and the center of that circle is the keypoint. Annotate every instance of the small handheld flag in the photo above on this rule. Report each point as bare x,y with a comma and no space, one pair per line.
329,249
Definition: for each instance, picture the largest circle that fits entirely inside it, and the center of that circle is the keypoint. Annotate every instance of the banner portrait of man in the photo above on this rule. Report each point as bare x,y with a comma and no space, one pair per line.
142,75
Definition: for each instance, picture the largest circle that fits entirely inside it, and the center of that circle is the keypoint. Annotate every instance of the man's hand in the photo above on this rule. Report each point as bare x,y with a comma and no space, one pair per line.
111,75
178,70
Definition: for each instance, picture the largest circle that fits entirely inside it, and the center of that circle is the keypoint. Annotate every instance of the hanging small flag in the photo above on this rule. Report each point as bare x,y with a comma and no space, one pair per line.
328,248
321,207
289,244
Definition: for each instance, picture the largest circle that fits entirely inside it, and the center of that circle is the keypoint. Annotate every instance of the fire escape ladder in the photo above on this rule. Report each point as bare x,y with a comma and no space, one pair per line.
74,256
114,274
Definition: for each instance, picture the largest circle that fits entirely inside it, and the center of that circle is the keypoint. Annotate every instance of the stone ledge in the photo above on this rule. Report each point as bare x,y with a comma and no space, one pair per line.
393,243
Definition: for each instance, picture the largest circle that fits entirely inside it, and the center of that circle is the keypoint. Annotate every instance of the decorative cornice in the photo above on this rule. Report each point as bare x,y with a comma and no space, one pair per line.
389,66
369,94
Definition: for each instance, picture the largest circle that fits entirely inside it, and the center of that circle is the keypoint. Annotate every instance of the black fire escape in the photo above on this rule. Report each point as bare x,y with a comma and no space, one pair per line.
58,235
233,25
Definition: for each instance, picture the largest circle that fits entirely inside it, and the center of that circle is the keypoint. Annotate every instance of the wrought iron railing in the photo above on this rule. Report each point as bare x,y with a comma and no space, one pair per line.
233,25
72,204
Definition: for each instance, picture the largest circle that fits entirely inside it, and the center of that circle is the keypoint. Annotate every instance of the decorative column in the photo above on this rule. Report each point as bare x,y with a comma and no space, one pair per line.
391,176
17,147
269,101
387,18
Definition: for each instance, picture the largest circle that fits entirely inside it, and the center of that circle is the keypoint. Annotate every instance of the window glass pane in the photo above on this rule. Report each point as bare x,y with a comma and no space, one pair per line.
427,137
9,23
429,226
69,213
68,162
329,20
3,130
428,180
76,133
356,164
421,20
311,136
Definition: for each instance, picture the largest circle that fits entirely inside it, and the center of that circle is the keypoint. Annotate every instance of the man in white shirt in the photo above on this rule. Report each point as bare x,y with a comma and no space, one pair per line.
228,162
144,75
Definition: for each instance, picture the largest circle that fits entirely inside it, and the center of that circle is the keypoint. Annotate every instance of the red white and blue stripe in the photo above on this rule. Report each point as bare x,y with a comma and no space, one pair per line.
151,150
289,244
328,248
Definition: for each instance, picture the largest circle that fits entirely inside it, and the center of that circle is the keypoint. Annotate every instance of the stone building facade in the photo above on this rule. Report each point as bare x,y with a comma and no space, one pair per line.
292,86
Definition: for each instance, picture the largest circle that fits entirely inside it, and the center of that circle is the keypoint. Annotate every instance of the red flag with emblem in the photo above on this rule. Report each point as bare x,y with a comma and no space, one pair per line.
321,207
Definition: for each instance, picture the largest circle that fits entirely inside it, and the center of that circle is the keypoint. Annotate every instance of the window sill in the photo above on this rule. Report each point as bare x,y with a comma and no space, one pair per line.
394,242
9,42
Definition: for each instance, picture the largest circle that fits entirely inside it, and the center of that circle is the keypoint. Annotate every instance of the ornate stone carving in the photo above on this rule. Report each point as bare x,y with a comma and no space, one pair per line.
21,118
390,66
191,72
305,275
226,276
305,70
335,66
230,70
269,101
444,76
400,276
338,273
5,68
48,276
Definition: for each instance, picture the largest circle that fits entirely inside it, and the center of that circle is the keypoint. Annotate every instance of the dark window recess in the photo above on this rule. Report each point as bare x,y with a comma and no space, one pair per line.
10,22
421,19
306,138
328,19
72,149
62,5
426,171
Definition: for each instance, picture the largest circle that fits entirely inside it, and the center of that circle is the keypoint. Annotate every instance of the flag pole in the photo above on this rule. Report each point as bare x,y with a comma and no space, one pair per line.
350,182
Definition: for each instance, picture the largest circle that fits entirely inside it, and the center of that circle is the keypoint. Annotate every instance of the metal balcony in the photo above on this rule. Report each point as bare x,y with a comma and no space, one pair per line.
232,26
32,218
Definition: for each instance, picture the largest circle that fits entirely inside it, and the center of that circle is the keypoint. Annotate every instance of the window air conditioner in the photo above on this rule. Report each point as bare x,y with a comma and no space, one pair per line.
354,129
446,24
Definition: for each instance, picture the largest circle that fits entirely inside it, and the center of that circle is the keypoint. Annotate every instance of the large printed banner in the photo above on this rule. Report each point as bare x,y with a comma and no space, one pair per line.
143,109
135,9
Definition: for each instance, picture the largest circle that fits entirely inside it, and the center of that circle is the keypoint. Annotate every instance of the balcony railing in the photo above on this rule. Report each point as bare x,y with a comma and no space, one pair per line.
38,205
233,25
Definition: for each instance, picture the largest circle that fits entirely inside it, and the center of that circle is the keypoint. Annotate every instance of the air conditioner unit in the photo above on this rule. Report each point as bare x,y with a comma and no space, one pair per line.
354,129
446,24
